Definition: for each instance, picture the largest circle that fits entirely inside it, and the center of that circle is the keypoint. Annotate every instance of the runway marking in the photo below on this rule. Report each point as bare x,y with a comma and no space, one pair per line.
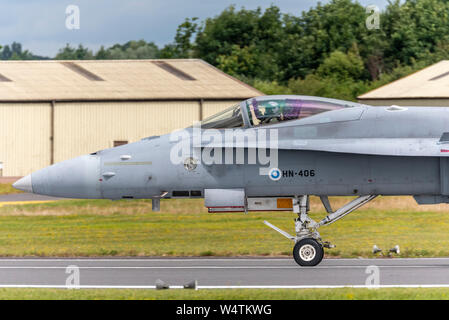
149,267
146,260
175,259
226,287
223,267
200,265
329,287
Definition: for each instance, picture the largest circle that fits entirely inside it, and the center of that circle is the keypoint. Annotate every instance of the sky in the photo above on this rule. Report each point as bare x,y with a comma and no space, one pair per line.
40,25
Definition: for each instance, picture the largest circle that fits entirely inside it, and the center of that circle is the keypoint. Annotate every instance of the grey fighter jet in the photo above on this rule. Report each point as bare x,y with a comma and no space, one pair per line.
271,153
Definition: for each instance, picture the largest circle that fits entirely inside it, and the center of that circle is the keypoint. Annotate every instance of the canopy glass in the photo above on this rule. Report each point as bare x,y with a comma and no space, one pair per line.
268,110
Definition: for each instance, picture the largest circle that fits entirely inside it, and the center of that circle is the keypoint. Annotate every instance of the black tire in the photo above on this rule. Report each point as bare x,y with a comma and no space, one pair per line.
308,252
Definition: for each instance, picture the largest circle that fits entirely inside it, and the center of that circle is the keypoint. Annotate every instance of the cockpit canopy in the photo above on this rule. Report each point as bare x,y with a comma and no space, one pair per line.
266,110
228,118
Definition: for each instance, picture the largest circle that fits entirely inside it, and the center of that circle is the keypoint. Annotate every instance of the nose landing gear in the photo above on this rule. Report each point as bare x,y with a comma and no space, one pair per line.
309,248
308,252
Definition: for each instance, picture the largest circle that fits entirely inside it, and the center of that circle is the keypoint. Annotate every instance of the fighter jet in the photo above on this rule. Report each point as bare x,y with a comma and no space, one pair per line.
271,153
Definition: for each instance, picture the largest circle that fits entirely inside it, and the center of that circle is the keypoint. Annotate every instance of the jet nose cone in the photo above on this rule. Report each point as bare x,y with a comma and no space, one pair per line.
74,178
24,184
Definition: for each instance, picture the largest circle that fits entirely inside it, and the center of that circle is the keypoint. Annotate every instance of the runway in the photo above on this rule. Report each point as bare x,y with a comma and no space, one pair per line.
25,197
222,272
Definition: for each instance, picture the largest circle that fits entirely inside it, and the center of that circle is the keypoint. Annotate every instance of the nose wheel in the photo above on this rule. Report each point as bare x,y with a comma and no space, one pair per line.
309,248
308,252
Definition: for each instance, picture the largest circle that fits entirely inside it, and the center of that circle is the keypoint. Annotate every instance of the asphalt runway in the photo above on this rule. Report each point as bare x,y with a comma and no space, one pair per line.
18,197
222,272
217,272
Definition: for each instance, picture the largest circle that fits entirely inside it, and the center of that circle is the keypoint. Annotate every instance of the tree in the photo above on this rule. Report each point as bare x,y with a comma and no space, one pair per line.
70,53
184,34
6,53
240,61
282,46
244,42
414,29
218,35
343,65
15,52
130,50
101,54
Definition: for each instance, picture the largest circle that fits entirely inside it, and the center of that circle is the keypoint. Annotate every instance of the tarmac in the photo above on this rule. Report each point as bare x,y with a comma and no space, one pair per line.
212,273
223,273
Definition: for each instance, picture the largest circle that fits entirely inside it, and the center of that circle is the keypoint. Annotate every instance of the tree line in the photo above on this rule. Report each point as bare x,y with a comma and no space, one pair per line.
325,51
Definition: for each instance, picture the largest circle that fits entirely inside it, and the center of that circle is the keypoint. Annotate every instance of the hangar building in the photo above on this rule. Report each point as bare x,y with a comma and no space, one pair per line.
427,87
51,111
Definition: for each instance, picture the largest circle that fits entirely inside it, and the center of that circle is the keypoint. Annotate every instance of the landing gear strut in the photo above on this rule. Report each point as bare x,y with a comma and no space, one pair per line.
309,247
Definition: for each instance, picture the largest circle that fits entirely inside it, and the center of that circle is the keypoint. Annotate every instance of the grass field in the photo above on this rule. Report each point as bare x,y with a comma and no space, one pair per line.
6,188
231,294
184,228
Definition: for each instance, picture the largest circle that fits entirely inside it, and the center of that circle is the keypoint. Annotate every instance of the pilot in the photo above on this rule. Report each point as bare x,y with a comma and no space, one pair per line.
291,110
257,112
276,111
272,111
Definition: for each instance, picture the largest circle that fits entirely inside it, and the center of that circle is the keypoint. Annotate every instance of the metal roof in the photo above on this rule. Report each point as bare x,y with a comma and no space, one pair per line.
105,80
429,83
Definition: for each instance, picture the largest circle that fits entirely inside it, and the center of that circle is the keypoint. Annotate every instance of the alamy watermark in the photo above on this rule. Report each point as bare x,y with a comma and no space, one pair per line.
72,20
372,22
73,280
229,146
373,279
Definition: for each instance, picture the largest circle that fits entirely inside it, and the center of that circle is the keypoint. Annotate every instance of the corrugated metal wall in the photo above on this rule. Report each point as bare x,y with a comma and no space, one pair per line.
80,128
212,107
25,137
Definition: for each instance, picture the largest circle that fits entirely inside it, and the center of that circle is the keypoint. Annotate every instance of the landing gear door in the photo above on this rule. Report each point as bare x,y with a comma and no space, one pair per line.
225,200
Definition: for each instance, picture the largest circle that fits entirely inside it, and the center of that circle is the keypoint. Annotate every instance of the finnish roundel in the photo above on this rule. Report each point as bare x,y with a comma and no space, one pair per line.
275,174
190,164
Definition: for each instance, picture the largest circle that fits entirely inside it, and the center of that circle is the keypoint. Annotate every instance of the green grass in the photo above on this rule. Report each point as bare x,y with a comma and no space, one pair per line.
231,294
184,228
6,188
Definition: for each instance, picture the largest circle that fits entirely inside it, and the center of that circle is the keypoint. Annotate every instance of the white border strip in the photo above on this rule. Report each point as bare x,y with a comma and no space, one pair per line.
268,267
172,259
175,259
226,287
157,267
331,287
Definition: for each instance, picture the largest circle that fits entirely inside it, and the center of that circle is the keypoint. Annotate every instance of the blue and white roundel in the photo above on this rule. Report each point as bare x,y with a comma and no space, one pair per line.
275,174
